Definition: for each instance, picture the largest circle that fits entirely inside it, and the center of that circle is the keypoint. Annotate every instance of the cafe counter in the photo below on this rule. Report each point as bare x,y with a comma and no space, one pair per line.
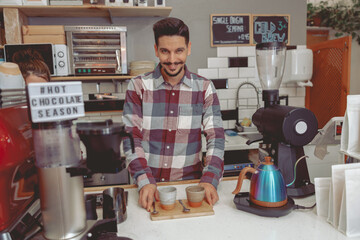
227,222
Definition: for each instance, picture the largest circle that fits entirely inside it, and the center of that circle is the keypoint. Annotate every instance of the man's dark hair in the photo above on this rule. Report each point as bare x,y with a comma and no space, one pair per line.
170,27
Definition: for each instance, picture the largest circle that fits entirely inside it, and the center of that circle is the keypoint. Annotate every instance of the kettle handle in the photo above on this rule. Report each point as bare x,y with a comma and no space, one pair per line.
242,175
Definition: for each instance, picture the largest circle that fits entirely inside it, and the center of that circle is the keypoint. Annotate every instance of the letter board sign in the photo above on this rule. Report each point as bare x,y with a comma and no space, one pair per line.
56,101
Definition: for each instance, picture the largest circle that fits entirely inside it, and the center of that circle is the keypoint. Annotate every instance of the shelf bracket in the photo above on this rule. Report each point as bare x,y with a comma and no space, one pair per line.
116,85
110,17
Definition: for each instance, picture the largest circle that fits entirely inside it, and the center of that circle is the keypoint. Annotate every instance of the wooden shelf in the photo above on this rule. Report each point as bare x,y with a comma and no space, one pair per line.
91,11
91,78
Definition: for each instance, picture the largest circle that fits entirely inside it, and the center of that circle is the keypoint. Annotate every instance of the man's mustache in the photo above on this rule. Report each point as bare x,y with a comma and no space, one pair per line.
175,63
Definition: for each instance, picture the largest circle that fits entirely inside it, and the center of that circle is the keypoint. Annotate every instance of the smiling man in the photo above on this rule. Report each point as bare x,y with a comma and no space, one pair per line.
166,110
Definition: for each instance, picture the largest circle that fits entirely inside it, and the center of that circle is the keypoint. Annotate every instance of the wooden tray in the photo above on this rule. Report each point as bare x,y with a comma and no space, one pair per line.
204,210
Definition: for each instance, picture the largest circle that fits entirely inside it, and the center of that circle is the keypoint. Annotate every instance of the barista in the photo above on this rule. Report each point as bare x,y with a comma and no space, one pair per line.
166,111
32,66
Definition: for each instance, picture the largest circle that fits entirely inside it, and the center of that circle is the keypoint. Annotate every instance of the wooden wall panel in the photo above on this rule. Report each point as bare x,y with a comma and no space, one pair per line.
14,19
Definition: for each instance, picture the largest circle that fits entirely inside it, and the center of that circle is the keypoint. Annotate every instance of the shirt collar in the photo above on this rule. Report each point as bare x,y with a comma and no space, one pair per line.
160,80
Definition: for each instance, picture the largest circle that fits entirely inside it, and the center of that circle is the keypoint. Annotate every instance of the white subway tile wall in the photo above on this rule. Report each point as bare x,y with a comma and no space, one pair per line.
246,51
218,68
251,61
227,52
209,73
247,72
218,62
228,72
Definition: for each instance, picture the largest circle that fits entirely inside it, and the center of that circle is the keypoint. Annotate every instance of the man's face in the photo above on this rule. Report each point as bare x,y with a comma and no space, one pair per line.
172,52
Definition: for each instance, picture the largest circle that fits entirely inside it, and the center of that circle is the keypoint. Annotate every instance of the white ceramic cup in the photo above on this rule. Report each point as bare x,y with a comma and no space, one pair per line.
195,195
167,197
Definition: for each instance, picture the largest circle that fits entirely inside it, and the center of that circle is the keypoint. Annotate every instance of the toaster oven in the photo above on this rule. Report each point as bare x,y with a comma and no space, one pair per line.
97,50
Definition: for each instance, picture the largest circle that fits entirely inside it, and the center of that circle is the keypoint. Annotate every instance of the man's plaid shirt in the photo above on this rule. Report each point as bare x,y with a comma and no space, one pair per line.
166,123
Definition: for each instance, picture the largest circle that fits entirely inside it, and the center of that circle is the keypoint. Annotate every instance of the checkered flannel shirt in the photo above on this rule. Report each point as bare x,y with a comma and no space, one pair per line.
166,123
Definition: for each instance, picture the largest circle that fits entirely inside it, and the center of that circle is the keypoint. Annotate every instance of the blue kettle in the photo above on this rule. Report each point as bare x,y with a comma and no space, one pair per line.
267,186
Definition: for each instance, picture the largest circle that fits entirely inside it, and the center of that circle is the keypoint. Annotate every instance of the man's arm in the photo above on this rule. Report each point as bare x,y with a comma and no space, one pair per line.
215,144
133,118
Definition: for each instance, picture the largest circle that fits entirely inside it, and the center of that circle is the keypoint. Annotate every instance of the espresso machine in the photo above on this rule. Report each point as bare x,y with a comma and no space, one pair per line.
19,202
285,129
61,172
53,107
19,196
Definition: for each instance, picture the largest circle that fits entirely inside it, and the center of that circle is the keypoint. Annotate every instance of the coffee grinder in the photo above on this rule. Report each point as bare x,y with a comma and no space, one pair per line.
53,106
284,129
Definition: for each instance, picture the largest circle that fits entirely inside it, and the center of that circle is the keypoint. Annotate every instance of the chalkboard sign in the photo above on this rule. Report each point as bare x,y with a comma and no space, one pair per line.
271,28
230,29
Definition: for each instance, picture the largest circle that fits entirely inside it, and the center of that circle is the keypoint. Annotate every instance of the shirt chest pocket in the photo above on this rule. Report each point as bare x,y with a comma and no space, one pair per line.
190,117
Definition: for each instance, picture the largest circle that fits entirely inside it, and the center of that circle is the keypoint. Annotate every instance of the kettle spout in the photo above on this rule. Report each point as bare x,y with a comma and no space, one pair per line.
242,175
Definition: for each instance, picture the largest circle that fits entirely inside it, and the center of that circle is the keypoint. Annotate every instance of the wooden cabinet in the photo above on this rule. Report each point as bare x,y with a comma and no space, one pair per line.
316,34
16,16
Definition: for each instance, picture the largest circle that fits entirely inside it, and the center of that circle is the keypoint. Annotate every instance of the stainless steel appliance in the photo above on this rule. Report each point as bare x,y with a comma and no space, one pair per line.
59,162
97,50
62,199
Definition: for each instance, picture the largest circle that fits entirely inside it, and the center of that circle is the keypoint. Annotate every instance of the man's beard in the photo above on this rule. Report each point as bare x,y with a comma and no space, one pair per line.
175,63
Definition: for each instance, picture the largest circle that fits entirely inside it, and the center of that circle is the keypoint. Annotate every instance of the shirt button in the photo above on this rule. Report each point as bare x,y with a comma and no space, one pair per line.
173,94
167,147
171,112
169,130
163,179
165,164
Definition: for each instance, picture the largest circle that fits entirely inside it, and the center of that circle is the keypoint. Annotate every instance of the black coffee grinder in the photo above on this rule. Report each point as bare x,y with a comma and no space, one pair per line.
285,129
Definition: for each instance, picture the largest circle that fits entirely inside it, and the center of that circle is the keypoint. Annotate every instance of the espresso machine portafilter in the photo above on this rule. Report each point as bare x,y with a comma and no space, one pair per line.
285,129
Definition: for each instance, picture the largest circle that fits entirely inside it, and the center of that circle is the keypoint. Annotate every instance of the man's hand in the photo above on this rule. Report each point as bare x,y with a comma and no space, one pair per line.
147,194
210,193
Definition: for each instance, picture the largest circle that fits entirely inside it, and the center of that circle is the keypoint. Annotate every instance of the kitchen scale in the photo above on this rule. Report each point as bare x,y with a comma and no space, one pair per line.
242,202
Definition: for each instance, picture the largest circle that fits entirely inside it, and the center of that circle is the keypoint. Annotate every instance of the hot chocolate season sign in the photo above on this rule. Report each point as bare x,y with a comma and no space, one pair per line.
248,29
55,101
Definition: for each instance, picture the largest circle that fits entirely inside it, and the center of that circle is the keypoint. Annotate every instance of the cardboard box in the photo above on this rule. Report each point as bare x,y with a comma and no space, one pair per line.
43,30
54,39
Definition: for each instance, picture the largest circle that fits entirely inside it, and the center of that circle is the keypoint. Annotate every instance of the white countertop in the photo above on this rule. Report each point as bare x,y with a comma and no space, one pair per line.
228,222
